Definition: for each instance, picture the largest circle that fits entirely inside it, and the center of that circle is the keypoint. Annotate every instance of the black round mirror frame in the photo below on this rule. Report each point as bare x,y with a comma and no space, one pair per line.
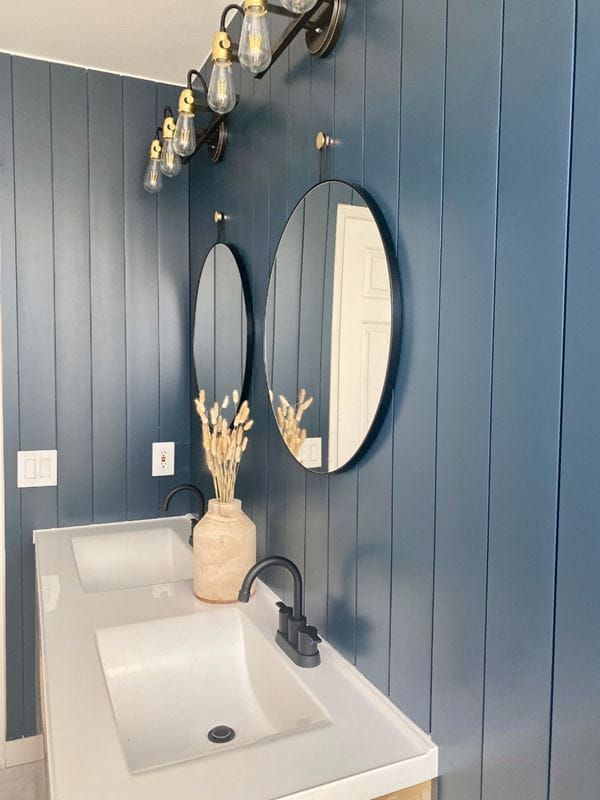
247,295
396,326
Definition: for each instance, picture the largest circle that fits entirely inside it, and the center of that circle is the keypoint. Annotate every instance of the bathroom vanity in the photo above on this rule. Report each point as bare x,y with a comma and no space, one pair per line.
141,681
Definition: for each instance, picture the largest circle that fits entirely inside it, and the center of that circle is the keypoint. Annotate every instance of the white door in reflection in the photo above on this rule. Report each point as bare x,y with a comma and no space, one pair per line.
361,327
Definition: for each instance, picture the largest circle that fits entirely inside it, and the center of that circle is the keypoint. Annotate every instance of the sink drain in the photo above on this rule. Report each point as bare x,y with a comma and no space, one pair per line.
221,734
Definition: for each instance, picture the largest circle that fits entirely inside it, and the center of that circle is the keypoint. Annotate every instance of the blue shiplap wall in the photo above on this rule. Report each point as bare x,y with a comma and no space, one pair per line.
95,307
456,565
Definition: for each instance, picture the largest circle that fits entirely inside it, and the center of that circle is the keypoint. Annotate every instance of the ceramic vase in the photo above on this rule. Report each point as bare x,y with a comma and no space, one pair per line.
224,551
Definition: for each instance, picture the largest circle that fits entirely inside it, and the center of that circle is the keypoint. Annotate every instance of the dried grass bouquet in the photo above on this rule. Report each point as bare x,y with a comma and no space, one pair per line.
224,443
289,418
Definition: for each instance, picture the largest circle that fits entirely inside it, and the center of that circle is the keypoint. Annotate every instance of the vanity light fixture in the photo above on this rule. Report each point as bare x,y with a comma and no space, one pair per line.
170,161
321,22
181,140
153,178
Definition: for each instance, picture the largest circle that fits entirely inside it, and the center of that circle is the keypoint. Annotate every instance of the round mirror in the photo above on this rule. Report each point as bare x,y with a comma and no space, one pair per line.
332,327
222,338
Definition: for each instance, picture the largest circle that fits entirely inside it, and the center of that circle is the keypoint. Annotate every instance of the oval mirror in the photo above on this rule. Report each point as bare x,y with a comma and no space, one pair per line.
223,333
332,327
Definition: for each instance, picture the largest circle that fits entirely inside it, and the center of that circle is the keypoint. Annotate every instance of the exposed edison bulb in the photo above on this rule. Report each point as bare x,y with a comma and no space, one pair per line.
221,91
255,45
184,138
184,141
298,6
170,162
153,178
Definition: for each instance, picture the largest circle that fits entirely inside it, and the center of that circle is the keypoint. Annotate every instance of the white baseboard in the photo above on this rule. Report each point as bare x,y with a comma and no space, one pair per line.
24,751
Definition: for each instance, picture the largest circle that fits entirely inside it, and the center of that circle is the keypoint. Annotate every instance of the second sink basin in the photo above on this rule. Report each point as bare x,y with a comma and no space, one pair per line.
173,681
128,558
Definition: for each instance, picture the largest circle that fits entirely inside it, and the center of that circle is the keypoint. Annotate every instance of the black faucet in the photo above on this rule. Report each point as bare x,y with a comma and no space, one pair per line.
298,640
187,487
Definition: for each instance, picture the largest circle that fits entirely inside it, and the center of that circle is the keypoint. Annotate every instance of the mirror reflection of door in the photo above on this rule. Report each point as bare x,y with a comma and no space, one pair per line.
360,330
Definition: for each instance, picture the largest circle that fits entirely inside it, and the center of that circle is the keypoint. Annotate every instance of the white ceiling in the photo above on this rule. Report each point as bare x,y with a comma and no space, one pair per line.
155,39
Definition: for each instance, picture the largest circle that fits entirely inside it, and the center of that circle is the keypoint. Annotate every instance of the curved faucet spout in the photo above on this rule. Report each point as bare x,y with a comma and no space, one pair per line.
188,487
275,561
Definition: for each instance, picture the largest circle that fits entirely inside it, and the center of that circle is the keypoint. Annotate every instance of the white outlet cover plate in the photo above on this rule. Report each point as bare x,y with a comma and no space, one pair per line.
163,459
310,455
37,468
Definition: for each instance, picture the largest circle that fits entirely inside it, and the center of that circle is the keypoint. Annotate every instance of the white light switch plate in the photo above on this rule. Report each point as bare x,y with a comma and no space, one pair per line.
310,454
163,459
36,468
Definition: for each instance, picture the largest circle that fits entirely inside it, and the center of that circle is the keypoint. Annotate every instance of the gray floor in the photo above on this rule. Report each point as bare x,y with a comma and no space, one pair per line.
27,782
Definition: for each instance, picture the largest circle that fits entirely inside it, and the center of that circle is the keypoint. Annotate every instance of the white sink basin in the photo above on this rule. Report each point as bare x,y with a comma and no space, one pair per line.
125,559
172,681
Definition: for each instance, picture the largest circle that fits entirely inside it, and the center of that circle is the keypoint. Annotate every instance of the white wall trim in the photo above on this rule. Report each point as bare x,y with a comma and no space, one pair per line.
2,573
24,751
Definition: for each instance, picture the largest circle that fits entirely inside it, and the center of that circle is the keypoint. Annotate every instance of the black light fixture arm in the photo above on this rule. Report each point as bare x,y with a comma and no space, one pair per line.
194,73
226,10
167,111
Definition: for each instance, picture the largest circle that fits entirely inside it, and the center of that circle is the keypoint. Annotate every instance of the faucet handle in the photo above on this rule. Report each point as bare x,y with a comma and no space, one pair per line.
285,614
308,640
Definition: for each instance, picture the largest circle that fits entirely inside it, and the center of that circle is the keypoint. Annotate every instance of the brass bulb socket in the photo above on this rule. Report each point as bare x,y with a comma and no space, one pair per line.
186,102
168,127
221,49
155,149
253,3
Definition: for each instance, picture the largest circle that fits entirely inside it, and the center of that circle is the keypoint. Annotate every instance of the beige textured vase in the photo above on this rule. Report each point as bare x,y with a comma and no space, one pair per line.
224,551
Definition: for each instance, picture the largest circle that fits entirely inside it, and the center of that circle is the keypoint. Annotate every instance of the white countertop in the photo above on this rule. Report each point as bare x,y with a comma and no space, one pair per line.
369,749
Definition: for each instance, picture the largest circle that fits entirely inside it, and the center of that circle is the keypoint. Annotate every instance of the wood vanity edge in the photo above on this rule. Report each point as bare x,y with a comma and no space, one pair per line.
424,791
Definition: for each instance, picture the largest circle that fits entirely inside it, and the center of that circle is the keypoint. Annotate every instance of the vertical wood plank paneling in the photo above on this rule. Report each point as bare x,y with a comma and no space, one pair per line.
348,159
202,200
278,137
109,379
260,268
174,323
35,306
298,182
10,367
464,393
311,376
322,117
245,246
382,110
421,147
533,184
63,290
202,203
141,299
72,293
576,707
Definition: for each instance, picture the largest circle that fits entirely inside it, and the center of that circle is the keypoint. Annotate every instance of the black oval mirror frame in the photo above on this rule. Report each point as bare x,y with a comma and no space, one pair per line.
395,297
248,319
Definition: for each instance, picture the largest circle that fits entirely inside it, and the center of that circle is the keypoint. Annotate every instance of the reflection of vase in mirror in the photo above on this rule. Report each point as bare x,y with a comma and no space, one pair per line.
221,348
329,324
